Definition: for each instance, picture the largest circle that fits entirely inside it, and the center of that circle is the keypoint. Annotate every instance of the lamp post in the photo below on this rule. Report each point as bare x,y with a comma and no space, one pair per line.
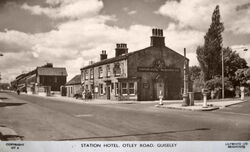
222,72
185,88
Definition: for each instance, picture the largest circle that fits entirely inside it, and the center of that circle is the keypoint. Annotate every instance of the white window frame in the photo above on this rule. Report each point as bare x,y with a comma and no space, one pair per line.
100,71
108,71
86,75
91,73
131,88
126,88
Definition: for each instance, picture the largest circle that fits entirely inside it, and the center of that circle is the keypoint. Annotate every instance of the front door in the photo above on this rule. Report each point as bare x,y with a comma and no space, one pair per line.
108,92
159,88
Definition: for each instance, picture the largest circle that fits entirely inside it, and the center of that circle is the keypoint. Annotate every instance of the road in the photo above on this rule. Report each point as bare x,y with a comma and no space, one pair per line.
38,118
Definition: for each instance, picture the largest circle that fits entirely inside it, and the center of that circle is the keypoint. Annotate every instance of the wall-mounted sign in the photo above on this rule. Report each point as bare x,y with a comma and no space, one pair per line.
154,69
145,85
158,66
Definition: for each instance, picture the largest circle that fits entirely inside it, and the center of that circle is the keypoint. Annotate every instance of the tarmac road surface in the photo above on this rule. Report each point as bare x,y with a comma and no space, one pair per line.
37,118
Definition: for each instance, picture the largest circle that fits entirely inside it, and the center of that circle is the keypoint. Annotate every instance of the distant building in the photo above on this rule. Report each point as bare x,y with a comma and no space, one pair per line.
140,75
73,87
42,80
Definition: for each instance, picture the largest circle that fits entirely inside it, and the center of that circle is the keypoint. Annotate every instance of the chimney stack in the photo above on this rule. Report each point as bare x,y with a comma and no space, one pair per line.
104,55
157,38
91,62
121,48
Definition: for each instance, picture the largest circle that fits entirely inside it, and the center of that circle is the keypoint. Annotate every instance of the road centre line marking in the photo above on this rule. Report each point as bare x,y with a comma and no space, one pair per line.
84,115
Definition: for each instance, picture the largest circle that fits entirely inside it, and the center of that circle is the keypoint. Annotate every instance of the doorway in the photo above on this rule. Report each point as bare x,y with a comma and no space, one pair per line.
108,92
159,88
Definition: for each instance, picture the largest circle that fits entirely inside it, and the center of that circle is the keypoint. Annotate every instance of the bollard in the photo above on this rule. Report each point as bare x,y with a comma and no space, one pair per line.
191,98
204,100
160,98
242,94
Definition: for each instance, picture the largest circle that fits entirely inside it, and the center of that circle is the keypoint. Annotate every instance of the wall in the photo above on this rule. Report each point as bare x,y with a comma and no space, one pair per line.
106,81
146,86
54,81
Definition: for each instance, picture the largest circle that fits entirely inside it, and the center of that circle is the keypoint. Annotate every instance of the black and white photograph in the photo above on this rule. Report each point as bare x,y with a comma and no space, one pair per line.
125,70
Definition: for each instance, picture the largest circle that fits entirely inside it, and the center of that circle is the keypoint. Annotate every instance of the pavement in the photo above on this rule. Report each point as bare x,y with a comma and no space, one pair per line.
212,105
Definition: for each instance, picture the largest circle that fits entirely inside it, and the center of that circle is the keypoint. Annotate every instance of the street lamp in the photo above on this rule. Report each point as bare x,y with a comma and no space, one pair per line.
222,64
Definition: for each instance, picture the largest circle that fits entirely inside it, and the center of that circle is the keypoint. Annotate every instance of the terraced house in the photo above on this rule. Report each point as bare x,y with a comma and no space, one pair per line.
139,75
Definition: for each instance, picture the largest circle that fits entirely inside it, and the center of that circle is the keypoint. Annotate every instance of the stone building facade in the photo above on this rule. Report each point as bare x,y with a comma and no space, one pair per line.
139,75
43,80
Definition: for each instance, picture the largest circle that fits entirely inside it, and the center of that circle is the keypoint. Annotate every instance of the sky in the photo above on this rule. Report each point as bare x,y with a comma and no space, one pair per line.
70,33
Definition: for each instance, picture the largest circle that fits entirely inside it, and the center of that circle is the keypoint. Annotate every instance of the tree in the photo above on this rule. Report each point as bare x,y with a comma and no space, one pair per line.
243,76
209,55
233,62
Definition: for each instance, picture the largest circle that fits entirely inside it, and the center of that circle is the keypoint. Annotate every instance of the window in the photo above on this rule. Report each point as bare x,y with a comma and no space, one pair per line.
108,70
131,88
124,88
117,69
101,89
86,75
55,79
100,72
116,88
112,86
91,73
71,90
92,88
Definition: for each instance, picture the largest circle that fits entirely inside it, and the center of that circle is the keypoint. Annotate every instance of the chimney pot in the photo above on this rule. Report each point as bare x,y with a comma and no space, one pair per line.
157,38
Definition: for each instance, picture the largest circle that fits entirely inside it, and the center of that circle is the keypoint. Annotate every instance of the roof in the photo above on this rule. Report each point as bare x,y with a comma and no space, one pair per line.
51,71
75,80
111,60
118,58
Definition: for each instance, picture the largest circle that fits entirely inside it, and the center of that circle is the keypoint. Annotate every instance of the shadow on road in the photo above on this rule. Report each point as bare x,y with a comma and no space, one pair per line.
10,137
5,104
136,135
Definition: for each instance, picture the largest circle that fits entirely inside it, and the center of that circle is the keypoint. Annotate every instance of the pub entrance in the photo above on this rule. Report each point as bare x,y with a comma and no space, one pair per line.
159,88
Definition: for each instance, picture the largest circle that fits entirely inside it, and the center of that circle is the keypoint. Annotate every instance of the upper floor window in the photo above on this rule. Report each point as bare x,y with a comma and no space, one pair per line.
86,75
91,73
100,72
108,70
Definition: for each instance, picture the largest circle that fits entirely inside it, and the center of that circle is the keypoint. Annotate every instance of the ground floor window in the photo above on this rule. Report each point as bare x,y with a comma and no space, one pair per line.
101,89
124,88
131,88
116,88
128,88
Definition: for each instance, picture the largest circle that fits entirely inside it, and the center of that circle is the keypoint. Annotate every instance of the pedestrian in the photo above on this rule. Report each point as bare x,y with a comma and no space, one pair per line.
18,91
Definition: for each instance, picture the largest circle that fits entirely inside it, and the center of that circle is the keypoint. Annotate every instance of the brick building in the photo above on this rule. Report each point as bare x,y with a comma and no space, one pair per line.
73,87
139,75
42,80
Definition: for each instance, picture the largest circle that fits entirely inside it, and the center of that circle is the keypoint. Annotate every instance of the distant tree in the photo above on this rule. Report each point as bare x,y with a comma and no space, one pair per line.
243,76
195,72
209,55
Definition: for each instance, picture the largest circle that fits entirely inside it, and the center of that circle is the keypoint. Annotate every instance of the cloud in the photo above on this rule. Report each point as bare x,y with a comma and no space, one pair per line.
67,8
132,12
197,14
242,52
178,38
80,38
